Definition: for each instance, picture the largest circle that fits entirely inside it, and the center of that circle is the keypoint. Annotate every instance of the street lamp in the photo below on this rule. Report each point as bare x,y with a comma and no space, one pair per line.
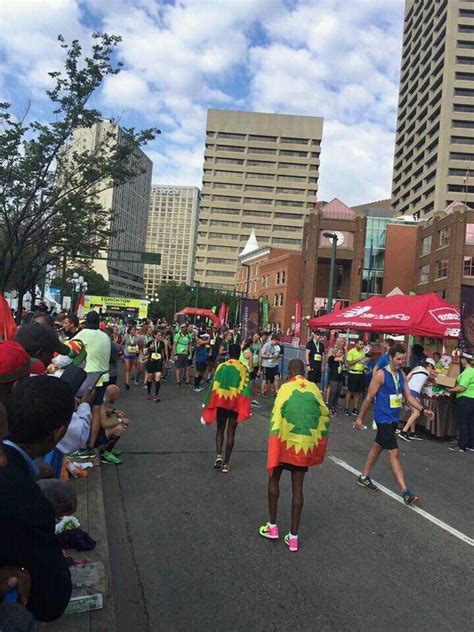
333,237
78,286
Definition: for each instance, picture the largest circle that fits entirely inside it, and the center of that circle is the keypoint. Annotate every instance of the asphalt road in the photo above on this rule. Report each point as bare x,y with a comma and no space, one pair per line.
186,555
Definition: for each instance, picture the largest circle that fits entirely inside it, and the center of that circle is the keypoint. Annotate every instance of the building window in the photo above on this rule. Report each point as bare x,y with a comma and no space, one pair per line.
426,246
470,234
442,269
424,274
278,300
278,278
283,276
468,266
444,237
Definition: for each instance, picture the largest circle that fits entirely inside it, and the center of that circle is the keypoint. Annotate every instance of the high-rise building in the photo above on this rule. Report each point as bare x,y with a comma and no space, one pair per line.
260,173
172,227
435,127
128,204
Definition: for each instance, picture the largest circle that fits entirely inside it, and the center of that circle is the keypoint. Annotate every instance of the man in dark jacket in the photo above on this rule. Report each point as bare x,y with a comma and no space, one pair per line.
38,412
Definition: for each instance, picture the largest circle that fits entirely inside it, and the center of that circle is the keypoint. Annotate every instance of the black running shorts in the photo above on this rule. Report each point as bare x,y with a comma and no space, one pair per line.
386,436
355,383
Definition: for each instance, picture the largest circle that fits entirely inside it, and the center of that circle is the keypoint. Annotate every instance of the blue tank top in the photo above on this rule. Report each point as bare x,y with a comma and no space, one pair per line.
388,402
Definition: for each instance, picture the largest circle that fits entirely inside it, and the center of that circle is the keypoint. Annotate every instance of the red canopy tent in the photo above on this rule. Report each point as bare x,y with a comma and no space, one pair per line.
420,315
197,311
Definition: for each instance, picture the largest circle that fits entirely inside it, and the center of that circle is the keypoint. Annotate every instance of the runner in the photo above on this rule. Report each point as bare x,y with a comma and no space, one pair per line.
181,346
416,381
388,387
192,334
223,347
228,402
200,353
356,363
298,439
156,352
270,355
255,348
130,354
314,357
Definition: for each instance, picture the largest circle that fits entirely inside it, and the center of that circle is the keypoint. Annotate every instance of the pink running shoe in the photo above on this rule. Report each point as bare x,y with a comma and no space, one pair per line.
292,543
269,532
156,399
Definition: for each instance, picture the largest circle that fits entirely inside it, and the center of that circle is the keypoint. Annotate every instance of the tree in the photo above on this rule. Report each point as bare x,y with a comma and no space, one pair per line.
173,297
96,284
48,185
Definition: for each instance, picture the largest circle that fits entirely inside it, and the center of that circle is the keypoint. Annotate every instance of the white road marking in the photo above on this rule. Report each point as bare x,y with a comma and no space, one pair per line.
457,534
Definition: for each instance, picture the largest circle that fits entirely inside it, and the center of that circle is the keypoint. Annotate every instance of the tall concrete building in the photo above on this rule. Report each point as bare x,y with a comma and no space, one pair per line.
260,173
435,128
172,228
129,216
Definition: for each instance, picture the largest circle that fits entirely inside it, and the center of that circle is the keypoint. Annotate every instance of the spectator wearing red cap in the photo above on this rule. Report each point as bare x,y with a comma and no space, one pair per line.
14,365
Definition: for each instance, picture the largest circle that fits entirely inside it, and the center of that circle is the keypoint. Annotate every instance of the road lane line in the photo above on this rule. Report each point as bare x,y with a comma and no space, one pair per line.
457,534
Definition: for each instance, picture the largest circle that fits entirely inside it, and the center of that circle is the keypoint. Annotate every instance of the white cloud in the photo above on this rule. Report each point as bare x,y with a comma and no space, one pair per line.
333,58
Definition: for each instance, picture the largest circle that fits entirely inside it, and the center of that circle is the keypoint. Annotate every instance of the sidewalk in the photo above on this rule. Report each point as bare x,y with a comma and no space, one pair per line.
91,514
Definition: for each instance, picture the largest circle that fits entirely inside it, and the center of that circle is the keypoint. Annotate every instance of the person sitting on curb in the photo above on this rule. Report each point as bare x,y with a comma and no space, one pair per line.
39,410
112,427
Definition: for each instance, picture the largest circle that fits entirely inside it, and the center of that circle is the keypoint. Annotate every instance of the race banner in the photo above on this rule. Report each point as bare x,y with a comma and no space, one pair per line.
249,313
298,316
265,312
467,319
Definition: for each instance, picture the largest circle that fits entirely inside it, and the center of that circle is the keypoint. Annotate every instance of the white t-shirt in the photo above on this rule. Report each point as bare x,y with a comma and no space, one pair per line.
418,379
270,349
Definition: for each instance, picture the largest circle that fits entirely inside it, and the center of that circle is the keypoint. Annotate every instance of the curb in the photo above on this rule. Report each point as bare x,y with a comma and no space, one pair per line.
91,514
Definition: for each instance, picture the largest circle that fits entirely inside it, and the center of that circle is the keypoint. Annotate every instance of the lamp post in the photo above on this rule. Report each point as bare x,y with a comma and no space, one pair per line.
78,286
333,237
152,298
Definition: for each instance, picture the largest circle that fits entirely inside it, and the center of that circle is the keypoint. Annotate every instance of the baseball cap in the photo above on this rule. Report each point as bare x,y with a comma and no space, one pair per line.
430,361
468,356
14,361
35,337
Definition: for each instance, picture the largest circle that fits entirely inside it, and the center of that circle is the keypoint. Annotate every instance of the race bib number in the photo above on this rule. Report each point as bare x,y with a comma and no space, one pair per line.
156,356
133,349
317,357
396,401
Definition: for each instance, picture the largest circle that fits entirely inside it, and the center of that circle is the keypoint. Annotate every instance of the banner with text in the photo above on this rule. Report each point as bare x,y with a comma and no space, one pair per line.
249,313
467,319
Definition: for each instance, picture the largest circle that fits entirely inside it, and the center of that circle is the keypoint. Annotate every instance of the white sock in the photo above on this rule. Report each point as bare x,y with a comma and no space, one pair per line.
272,526
293,537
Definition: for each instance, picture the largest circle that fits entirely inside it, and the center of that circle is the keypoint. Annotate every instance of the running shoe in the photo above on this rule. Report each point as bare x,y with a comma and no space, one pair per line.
225,468
470,449
116,451
333,412
454,448
84,454
264,395
414,437
110,458
256,404
404,435
269,532
157,398
292,543
355,412
197,389
127,387
218,462
409,497
347,412
366,481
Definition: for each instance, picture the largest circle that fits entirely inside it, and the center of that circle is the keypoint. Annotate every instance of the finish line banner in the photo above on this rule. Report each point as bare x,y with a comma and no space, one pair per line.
467,319
249,316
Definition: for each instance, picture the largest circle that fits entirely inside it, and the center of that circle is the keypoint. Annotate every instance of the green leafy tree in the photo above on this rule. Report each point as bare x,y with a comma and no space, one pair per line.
49,186
96,284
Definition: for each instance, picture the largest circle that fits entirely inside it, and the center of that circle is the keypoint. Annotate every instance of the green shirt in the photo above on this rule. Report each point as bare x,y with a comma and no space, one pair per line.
97,346
355,354
182,343
466,379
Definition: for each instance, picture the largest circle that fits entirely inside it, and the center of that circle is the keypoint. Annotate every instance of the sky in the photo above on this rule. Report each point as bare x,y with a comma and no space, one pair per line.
339,59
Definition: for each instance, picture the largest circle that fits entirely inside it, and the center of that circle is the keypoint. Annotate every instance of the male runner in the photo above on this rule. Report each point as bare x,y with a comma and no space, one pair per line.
227,400
388,387
298,439
314,357
181,350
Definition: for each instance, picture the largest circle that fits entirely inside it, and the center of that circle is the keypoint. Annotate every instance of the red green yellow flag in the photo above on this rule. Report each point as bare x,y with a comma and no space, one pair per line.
229,389
299,426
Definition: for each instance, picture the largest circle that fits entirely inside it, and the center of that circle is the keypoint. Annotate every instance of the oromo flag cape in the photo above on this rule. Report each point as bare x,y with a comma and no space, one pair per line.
299,426
229,389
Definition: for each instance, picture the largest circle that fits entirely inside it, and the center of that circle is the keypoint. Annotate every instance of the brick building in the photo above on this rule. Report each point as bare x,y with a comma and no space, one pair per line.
271,272
445,252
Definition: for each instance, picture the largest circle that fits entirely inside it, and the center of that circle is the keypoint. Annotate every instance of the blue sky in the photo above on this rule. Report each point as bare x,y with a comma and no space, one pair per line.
338,59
